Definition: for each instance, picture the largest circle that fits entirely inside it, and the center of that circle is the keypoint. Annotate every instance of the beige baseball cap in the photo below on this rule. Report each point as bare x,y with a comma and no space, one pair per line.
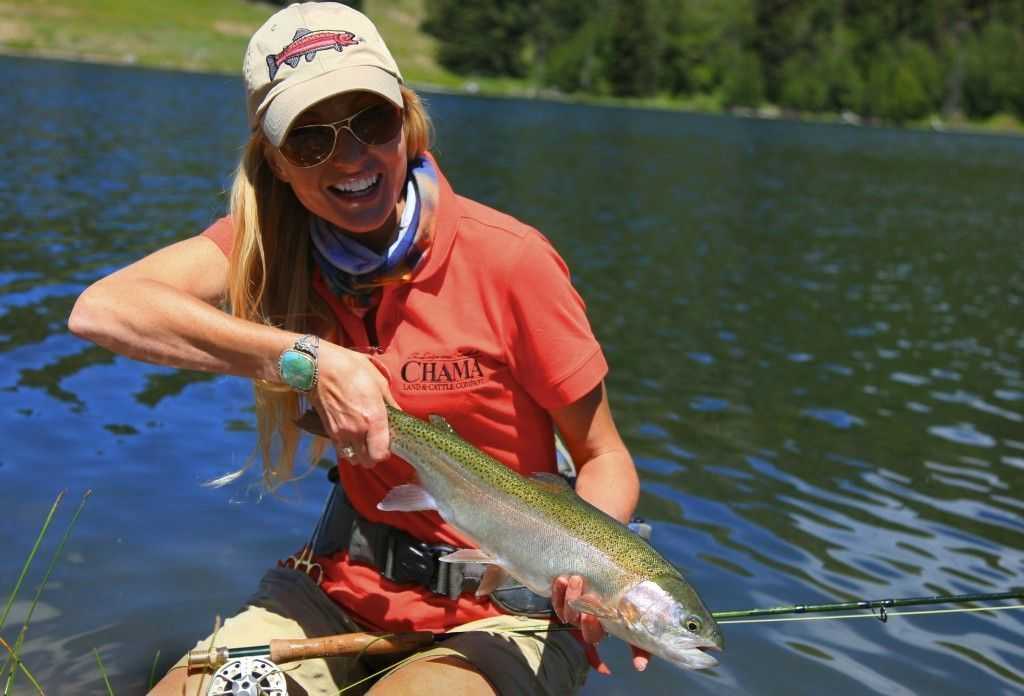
308,52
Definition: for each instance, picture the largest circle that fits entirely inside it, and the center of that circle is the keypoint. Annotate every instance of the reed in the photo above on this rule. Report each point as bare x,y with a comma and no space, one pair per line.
14,662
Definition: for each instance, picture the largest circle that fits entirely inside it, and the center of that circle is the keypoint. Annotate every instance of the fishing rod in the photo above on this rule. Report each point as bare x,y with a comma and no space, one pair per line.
281,651
745,615
284,650
257,666
880,604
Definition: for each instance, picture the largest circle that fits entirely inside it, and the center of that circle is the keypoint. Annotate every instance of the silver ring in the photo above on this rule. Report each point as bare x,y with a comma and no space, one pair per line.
347,452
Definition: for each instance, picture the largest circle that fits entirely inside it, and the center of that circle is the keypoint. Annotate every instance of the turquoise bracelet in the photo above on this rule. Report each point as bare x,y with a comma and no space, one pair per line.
297,365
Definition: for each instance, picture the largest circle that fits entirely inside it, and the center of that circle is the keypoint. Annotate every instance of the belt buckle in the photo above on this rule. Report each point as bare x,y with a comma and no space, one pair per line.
442,583
409,561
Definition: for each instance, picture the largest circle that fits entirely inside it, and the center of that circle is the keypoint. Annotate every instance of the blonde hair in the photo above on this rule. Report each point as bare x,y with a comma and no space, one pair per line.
270,274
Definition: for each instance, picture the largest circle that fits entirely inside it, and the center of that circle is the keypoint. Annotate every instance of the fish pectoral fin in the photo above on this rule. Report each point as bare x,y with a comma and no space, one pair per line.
441,424
493,578
407,498
311,423
468,556
586,606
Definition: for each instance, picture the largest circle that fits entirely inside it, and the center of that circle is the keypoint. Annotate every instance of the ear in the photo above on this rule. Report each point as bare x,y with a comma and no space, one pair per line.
275,160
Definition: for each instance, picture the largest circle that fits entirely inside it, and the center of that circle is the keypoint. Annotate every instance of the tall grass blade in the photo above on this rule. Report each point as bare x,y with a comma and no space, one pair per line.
103,671
19,663
152,672
28,561
39,591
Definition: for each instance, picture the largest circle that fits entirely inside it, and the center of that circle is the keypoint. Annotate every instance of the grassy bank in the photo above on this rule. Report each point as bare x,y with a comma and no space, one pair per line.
210,36
197,35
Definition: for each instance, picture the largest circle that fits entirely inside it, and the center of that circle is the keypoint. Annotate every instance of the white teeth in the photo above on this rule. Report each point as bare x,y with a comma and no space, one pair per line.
356,185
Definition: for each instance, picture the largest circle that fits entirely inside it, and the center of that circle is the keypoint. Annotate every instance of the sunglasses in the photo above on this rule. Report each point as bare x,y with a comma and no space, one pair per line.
308,146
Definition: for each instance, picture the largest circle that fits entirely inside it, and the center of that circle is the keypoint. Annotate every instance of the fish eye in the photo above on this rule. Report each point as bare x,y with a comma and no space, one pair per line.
693,624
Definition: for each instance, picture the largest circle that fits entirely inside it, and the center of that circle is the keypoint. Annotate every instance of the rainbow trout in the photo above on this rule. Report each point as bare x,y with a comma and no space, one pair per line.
535,529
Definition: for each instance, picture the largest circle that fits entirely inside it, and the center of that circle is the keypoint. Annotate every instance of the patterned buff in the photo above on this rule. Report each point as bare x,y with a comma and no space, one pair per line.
356,274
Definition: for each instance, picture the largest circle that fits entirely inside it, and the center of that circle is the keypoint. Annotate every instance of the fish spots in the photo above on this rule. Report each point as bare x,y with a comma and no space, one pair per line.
426,441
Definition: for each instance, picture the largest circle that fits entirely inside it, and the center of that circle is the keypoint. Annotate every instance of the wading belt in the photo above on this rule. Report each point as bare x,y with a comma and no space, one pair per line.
403,559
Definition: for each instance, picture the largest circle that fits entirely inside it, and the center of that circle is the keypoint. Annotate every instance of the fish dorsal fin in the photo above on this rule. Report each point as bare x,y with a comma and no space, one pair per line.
407,498
552,483
441,424
300,32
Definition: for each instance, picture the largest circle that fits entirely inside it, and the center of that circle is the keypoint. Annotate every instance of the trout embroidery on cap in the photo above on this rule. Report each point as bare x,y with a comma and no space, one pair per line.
308,43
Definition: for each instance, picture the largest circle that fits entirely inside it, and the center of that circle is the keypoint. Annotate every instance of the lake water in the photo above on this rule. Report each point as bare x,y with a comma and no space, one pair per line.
816,350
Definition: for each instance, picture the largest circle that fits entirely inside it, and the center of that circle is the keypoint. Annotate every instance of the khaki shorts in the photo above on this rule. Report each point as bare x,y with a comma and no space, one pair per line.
289,605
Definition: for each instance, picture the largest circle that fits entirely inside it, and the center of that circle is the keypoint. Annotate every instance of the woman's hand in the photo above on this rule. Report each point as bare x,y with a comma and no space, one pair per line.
350,396
566,589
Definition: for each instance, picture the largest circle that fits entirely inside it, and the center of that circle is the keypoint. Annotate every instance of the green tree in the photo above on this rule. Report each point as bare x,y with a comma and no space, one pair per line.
826,78
575,65
994,79
632,47
485,38
903,83
742,83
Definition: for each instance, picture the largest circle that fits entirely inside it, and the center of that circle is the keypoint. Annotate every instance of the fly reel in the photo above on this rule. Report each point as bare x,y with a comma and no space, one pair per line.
248,676
254,671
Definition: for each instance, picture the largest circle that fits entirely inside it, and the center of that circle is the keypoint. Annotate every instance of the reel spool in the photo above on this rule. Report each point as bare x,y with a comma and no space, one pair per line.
248,676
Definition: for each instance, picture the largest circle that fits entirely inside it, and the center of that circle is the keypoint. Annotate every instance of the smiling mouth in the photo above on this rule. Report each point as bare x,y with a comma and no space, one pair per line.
360,187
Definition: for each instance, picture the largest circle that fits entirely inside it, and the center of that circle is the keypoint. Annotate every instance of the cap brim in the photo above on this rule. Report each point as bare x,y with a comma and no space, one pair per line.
286,106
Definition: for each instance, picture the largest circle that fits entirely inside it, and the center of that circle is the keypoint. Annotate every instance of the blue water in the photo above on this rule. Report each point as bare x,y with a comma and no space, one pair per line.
816,351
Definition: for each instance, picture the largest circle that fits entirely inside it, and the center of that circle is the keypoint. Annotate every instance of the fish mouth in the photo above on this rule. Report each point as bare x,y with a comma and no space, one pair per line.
701,657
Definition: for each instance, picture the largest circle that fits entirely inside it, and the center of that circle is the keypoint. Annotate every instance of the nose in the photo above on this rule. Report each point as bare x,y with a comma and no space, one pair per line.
347,148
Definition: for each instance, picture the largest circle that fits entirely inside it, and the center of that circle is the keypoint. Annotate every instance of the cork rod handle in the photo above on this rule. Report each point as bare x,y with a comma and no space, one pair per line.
283,650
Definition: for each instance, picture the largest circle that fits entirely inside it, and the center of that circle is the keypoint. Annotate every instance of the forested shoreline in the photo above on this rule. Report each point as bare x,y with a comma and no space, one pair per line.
894,62
930,63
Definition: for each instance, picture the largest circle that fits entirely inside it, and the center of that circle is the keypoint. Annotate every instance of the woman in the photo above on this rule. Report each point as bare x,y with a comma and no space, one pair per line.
355,277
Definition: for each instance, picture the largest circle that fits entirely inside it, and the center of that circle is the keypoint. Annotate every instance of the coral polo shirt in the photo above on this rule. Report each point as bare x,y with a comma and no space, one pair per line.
490,334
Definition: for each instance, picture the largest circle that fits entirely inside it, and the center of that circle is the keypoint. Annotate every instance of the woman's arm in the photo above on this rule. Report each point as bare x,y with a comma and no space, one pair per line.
605,474
606,478
161,309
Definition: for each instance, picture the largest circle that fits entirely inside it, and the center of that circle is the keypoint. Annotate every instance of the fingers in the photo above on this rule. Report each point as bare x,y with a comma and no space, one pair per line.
378,438
594,658
558,588
566,589
350,397
640,658
573,590
590,626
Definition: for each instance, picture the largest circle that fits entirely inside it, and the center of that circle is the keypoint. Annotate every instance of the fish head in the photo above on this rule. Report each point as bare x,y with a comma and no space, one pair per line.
666,617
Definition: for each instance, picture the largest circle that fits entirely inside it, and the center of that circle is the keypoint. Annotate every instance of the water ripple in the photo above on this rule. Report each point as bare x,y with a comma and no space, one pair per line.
964,434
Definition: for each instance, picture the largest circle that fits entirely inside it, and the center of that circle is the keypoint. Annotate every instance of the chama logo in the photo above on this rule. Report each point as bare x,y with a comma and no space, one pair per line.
432,372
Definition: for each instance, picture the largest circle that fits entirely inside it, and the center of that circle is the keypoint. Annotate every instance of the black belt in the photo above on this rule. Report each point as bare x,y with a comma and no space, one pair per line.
404,559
